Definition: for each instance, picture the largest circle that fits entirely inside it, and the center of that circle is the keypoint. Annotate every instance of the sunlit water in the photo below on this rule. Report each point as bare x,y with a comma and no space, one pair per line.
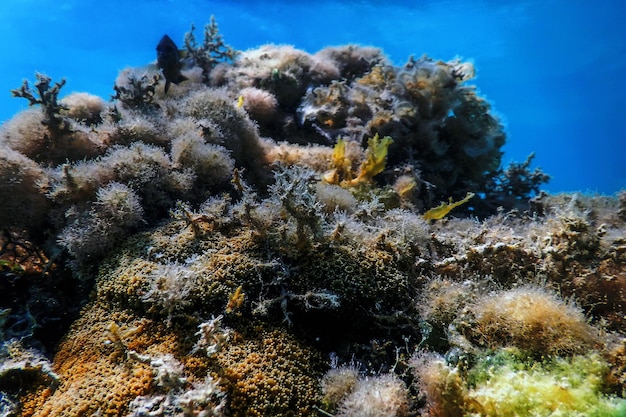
554,70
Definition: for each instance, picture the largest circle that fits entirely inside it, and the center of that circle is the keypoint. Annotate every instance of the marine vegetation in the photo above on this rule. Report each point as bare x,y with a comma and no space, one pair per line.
267,238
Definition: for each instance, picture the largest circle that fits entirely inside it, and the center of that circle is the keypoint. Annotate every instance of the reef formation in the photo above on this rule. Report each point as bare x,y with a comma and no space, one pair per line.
266,237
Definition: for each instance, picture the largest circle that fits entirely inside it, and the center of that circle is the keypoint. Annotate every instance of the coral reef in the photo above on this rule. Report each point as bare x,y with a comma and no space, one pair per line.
267,239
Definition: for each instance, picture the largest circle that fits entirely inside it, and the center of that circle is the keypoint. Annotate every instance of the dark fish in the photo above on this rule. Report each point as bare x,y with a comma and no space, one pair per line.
168,60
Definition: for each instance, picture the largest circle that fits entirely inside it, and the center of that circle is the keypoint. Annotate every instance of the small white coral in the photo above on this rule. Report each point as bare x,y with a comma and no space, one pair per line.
139,164
201,399
166,369
134,127
170,286
405,229
334,197
119,204
212,336
379,396
205,399
338,383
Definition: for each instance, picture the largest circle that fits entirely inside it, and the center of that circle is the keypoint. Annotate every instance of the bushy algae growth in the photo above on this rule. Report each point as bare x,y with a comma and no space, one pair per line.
503,383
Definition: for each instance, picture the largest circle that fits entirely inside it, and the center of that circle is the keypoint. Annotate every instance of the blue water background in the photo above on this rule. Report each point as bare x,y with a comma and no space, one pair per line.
553,69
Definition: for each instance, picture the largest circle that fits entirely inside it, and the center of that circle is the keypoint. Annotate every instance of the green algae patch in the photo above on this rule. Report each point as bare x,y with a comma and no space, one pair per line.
505,385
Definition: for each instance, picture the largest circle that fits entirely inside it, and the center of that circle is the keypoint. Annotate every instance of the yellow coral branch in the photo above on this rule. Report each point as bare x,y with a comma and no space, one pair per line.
377,150
341,164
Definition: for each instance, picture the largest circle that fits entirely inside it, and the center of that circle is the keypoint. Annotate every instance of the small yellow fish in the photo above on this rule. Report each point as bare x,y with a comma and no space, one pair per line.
441,210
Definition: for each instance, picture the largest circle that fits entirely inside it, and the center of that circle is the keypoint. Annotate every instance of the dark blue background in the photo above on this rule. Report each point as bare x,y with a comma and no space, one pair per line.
553,69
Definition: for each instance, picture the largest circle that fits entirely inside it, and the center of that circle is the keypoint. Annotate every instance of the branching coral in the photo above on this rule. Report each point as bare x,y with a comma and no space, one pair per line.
48,99
516,184
135,91
294,191
212,51
49,136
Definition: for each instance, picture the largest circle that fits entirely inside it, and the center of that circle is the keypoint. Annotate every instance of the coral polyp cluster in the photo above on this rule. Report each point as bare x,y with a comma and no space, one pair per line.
285,233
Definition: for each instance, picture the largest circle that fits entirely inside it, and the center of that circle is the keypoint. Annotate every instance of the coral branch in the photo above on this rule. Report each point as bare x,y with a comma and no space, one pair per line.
136,91
48,99
212,51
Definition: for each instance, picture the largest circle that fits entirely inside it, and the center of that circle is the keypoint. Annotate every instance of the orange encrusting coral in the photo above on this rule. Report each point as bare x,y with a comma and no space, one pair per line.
269,375
95,378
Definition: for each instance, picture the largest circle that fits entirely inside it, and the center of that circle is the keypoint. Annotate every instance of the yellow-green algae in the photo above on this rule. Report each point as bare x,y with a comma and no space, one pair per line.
506,385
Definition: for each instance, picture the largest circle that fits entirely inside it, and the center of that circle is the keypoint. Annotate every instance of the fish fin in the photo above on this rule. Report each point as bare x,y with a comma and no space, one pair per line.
167,85
181,78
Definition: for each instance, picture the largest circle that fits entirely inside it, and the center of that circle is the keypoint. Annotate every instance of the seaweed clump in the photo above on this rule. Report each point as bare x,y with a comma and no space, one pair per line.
266,239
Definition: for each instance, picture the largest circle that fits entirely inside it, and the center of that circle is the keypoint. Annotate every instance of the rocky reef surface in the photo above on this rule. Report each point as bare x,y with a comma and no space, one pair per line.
268,238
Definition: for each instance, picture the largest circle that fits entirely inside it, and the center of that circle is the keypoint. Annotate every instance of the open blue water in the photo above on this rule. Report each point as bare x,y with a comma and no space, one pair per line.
553,69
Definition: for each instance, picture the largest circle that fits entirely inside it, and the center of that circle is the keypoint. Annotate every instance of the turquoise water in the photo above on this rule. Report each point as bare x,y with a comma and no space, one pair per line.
553,69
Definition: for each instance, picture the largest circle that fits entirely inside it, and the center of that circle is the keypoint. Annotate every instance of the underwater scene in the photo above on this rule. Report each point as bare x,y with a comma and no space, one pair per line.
313,208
